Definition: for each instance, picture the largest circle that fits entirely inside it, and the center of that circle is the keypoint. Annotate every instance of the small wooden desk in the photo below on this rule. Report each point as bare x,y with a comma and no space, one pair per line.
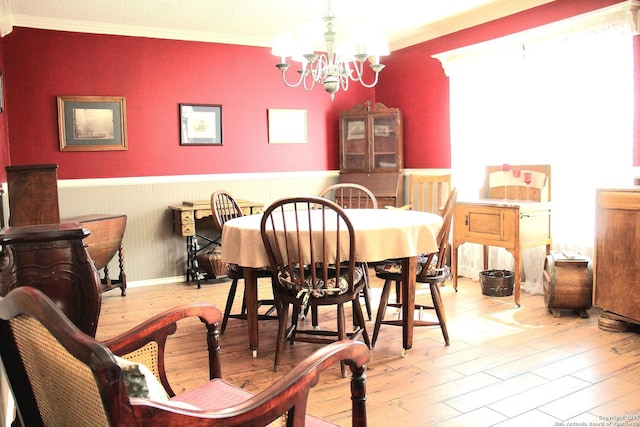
198,212
379,234
509,224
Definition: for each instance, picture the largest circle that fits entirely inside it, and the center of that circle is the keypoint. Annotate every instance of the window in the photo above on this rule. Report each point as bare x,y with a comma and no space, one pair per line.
560,95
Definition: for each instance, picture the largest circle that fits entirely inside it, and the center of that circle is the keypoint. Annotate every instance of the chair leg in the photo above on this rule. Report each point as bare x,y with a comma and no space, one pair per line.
366,291
439,307
283,316
227,308
290,334
384,299
359,317
342,334
314,318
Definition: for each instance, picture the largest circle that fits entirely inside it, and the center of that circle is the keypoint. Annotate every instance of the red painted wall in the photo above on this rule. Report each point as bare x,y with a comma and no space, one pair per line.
155,76
415,82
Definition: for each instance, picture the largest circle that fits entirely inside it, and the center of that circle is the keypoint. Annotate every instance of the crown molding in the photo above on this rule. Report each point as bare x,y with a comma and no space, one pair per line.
5,18
625,12
130,30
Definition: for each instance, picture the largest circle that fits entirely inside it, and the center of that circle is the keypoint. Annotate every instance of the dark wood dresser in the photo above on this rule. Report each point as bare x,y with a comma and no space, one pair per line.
53,259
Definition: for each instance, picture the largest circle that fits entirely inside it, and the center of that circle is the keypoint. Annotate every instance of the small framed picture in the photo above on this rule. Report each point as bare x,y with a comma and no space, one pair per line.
381,130
355,129
92,123
287,126
200,124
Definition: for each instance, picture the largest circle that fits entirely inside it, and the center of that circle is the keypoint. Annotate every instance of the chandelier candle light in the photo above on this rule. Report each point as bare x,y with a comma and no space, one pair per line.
335,67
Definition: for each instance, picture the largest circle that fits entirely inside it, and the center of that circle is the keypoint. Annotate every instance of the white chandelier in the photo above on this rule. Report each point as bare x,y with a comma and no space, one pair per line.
335,67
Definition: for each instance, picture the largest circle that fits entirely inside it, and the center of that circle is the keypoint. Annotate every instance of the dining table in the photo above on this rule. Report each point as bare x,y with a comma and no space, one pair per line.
379,234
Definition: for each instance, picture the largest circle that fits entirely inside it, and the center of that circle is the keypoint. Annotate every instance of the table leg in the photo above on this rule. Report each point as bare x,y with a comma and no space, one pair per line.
485,257
122,277
517,274
408,301
251,301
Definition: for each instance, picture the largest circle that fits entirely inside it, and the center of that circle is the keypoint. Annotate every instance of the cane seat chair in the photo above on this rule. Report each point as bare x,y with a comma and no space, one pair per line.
431,270
310,243
354,196
63,377
223,208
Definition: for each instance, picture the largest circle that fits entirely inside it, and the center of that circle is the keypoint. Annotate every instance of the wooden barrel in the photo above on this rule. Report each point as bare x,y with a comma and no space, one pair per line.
568,283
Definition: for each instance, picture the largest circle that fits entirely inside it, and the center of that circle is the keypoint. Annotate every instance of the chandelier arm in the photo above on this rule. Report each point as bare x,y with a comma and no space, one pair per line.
344,82
358,68
319,71
284,79
369,86
304,72
307,87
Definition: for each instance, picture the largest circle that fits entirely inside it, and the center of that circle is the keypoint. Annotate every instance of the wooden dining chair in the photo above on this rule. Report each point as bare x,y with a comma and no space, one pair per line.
350,196
431,270
63,377
354,196
311,247
223,208
428,193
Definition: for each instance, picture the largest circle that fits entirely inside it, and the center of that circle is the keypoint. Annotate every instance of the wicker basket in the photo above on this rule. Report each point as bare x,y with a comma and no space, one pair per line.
497,283
212,263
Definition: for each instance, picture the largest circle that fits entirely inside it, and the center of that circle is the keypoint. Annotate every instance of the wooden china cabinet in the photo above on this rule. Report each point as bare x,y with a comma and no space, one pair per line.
371,151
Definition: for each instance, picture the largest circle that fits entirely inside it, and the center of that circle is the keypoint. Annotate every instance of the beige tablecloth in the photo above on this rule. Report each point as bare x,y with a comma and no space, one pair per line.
379,233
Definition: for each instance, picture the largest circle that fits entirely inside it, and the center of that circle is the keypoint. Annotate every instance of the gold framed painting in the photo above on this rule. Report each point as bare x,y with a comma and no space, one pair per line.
92,123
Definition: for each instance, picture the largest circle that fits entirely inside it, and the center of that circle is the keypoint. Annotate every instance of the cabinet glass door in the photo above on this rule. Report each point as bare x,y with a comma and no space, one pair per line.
354,144
385,155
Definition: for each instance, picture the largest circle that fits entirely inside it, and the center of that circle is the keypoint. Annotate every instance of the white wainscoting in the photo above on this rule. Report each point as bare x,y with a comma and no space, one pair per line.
153,253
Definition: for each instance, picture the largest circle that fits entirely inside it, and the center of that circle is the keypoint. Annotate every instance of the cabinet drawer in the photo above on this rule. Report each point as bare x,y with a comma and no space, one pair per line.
489,225
184,229
186,217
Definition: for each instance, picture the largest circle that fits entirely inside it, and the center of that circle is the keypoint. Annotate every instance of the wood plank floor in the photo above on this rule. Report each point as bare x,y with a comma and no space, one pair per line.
505,366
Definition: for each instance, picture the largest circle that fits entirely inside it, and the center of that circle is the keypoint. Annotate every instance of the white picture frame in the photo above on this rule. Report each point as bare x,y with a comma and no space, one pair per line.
287,126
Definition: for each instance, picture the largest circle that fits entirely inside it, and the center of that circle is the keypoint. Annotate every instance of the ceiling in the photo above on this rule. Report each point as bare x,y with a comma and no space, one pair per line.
254,22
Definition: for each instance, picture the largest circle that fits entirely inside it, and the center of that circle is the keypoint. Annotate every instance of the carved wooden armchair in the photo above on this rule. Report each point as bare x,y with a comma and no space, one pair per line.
61,376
